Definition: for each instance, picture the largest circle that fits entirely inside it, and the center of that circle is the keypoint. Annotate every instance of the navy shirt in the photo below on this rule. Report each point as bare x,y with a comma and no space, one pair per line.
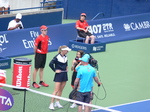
59,62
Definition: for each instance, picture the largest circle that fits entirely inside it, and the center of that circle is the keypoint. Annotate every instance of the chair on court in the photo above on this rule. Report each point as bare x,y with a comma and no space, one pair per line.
78,38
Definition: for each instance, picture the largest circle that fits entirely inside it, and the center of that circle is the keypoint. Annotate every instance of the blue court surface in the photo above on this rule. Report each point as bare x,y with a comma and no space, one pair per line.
140,106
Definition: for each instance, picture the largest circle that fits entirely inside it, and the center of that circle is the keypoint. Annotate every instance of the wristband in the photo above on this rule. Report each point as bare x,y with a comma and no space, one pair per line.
99,84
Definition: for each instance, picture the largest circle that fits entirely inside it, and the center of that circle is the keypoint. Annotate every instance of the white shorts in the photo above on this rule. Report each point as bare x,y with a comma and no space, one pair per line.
4,3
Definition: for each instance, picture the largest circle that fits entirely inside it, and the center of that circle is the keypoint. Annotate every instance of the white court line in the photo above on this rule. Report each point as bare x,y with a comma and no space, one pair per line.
129,103
124,104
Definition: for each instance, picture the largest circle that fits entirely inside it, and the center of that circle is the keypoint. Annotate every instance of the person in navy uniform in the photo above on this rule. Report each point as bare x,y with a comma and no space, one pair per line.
59,64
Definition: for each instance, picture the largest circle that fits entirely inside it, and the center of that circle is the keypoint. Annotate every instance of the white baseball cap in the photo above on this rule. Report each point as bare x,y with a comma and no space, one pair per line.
18,16
66,48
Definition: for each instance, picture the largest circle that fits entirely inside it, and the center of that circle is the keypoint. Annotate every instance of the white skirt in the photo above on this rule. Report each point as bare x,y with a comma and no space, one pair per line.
4,3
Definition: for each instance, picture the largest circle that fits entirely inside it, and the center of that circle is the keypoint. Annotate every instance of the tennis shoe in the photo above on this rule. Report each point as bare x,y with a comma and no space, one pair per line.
73,105
35,85
43,84
51,106
57,104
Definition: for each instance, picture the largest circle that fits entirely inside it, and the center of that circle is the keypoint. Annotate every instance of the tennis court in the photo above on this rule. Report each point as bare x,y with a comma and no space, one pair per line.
124,71
139,106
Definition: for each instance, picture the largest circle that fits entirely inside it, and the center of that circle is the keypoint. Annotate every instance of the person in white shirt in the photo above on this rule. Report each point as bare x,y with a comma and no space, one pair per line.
4,4
16,23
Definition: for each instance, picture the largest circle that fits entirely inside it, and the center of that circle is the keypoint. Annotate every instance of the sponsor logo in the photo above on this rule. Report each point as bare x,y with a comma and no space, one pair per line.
94,29
79,47
3,40
28,78
127,27
19,77
136,25
6,100
97,48
99,28
30,43
4,64
22,76
106,28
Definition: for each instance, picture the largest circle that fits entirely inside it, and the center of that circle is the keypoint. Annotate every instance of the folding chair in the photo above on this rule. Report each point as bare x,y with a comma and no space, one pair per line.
80,39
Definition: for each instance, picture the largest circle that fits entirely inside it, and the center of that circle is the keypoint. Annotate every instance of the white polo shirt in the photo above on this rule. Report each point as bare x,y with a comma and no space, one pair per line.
13,23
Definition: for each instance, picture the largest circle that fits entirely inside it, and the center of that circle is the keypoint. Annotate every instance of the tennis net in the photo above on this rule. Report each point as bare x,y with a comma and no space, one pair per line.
29,100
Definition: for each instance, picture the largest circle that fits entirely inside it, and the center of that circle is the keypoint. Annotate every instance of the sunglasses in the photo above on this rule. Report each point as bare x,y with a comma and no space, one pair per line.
43,30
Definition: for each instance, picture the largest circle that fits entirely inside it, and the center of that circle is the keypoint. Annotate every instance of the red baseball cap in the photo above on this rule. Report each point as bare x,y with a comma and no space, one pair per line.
83,14
43,27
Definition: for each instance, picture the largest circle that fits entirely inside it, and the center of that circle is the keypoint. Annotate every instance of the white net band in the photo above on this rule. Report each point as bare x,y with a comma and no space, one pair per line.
57,97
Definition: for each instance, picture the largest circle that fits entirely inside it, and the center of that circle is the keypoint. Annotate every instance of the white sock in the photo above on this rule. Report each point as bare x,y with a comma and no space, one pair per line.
51,103
57,102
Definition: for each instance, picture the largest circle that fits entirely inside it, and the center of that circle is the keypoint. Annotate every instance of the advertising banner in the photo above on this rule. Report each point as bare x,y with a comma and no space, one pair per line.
21,42
5,63
88,48
121,28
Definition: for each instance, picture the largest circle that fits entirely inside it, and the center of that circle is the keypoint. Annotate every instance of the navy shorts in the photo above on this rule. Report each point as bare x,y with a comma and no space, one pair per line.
84,34
83,97
61,77
91,97
40,60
